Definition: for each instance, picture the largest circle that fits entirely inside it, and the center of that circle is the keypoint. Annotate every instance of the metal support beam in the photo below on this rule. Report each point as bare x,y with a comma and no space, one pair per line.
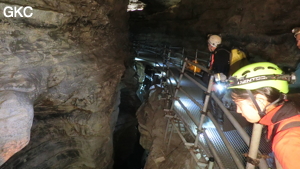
213,150
254,144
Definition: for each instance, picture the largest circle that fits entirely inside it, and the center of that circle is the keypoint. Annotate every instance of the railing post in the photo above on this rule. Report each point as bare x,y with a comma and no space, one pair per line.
166,132
203,114
254,144
196,61
170,137
178,84
213,150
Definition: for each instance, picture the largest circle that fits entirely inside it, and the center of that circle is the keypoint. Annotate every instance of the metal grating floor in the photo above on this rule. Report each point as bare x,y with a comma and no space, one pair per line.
233,137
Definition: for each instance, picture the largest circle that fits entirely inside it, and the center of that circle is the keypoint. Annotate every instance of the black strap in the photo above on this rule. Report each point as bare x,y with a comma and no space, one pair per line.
255,103
285,127
234,81
290,125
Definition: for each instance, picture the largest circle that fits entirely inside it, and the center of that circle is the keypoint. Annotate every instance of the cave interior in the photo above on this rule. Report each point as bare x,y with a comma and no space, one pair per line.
71,87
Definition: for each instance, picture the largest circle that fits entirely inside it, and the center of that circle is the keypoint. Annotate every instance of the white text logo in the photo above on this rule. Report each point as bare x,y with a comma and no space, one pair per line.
259,78
18,11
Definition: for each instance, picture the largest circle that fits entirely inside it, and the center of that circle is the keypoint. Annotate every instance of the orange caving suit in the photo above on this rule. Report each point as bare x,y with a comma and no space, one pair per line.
285,140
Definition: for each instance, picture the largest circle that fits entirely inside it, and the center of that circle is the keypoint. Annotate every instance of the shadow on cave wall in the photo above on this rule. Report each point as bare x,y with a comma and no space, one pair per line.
127,150
128,153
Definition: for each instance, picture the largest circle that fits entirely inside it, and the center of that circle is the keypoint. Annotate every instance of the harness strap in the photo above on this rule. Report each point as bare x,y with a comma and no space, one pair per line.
285,127
291,125
255,103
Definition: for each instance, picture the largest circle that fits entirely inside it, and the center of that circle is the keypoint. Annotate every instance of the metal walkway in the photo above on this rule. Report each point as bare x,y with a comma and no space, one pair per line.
189,113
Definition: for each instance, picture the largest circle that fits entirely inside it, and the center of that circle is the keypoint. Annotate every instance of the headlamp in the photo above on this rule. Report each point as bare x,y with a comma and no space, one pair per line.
220,87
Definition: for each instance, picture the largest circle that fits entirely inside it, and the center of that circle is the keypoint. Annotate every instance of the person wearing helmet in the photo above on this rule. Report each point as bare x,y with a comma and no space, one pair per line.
219,63
296,32
295,88
258,91
219,56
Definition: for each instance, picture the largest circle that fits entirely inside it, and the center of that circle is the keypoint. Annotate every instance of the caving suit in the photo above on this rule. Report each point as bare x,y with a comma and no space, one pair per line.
219,63
284,132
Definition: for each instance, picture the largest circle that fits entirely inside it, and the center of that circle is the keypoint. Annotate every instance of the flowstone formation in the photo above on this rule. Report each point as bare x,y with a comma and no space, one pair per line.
60,71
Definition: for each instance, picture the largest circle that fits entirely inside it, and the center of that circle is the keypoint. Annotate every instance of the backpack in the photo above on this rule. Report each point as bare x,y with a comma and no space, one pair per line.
238,59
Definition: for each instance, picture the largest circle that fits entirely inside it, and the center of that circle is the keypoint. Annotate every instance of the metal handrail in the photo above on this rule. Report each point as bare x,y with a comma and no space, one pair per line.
238,127
199,125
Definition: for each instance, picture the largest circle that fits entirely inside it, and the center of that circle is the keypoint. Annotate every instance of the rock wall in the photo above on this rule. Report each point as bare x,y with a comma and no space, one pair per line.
152,126
60,71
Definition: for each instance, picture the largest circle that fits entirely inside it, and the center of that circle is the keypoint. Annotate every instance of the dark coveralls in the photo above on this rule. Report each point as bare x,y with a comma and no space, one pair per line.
219,63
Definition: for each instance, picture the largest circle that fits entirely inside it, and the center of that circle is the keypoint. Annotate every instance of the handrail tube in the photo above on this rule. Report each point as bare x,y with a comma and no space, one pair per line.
170,137
178,85
179,133
189,56
238,127
207,97
166,133
168,78
226,142
254,144
226,112
213,151
147,50
211,81
229,146
216,124
171,86
176,67
199,66
185,123
234,122
195,82
188,113
173,76
191,98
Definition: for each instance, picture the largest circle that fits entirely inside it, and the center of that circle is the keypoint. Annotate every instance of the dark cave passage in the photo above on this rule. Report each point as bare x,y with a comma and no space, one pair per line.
62,84
128,153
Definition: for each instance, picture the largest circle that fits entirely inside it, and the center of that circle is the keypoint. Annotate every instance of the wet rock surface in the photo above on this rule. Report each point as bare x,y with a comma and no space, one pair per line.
60,71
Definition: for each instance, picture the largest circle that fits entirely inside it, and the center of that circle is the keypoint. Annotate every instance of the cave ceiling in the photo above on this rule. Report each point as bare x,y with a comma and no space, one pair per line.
262,27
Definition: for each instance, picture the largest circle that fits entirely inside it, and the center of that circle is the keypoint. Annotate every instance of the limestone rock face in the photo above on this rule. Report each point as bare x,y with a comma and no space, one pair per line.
152,126
60,70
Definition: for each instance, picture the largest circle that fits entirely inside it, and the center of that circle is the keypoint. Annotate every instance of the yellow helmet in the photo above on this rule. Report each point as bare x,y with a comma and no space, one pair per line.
261,74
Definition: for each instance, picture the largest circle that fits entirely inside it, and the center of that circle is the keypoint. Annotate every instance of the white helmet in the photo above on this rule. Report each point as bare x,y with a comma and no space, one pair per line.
296,31
214,40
